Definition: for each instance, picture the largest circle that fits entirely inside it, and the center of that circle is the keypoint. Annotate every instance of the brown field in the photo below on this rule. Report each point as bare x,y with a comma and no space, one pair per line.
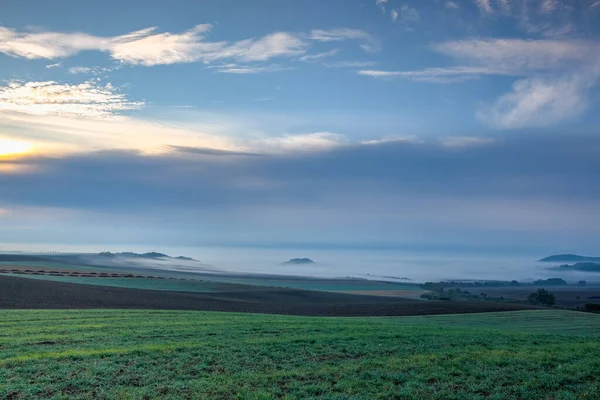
411,294
22,293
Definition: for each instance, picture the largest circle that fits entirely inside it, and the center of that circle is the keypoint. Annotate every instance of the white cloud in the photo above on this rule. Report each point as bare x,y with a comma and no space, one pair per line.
394,14
436,75
452,5
339,34
319,56
394,139
595,4
56,65
240,70
301,142
555,76
369,43
148,48
64,133
88,99
381,4
549,6
520,55
90,70
485,6
350,64
409,15
48,45
274,45
539,102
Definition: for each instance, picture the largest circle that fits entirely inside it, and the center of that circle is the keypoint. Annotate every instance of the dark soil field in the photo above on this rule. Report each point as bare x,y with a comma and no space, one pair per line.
22,293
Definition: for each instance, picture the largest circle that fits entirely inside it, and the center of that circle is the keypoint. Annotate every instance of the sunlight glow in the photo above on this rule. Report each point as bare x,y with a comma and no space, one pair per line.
9,147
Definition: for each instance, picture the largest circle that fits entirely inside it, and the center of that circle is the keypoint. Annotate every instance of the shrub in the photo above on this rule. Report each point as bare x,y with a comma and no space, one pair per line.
543,297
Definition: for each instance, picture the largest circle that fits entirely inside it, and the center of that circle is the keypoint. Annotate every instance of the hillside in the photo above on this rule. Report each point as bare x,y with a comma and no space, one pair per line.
569,258
300,261
586,267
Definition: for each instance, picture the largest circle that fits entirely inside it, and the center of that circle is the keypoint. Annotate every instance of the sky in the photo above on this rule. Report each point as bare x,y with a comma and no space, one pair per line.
430,124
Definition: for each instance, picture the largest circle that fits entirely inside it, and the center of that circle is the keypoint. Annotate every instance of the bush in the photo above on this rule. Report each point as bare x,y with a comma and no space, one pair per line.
543,297
591,307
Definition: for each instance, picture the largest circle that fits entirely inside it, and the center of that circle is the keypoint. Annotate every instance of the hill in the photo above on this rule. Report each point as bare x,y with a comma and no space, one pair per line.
151,255
586,267
569,258
299,261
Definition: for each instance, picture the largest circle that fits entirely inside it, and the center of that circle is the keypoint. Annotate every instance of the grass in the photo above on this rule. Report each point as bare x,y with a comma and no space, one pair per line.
197,355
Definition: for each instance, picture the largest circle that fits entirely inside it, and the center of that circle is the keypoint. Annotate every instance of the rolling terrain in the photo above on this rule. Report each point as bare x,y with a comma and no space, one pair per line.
25,293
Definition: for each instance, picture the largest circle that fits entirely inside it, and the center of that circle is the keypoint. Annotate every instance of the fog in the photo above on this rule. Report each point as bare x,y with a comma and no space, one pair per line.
381,264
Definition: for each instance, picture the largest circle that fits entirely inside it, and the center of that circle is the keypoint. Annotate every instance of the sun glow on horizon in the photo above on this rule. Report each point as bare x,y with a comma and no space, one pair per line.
10,147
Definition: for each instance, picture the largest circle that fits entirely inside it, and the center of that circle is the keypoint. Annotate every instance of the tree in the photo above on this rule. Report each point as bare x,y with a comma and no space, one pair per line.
542,296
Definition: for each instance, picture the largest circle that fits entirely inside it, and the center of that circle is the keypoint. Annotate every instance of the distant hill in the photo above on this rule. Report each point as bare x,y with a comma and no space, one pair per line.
570,258
152,255
585,267
299,261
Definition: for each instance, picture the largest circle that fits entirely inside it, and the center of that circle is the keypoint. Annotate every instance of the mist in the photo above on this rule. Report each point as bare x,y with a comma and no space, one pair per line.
401,265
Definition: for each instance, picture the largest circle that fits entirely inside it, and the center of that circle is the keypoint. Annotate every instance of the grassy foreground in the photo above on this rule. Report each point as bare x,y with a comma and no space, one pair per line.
95,354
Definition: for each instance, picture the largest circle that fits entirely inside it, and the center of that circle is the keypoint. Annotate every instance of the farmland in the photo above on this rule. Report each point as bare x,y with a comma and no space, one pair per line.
141,354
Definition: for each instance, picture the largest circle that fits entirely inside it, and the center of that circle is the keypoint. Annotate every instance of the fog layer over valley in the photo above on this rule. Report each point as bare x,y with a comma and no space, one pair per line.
391,265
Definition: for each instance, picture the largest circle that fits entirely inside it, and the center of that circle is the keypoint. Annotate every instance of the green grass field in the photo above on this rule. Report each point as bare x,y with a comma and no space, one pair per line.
134,354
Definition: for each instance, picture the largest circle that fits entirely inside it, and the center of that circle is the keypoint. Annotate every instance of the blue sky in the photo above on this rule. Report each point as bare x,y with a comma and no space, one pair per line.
357,122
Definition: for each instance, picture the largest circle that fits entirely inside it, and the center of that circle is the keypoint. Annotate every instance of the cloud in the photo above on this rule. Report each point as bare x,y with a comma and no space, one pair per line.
241,69
451,5
436,75
485,6
300,142
273,45
339,34
147,47
394,139
510,57
549,6
203,151
538,102
90,70
369,42
381,4
408,15
554,77
394,14
400,185
521,55
88,99
56,65
48,45
319,56
350,64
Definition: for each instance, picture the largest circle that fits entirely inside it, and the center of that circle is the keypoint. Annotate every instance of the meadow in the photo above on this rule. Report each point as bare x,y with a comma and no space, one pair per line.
142,354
